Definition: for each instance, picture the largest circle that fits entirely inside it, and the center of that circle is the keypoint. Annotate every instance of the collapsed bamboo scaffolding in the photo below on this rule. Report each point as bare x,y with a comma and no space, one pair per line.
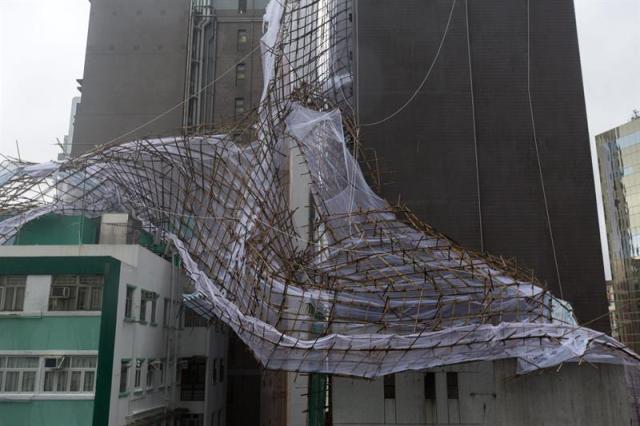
362,288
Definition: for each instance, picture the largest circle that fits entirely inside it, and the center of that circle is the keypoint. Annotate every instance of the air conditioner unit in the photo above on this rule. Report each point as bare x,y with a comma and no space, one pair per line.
60,292
55,363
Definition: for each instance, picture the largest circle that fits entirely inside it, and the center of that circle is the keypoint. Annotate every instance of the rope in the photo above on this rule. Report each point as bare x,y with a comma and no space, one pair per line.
426,77
535,141
475,131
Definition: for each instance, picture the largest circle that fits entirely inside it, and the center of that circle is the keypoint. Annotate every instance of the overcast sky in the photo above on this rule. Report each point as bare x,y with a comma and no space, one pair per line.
42,44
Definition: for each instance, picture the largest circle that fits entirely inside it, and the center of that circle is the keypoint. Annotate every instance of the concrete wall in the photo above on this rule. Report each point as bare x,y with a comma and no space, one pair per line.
228,53
428,151
489,394
134,70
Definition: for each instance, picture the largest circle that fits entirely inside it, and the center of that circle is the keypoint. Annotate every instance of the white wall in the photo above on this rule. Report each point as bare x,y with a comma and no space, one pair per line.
491,395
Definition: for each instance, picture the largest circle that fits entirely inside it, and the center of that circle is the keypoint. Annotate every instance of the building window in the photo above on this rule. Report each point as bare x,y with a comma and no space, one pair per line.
154,305
18,373
241,73
214,378
430,386
242,38
239,107
161,373
165,313
192,379
191,420
192,319
221,372
150,367
128,304
452,385
70,373
124,375
12,292
242,6
76,293
137,383
390,386
145,297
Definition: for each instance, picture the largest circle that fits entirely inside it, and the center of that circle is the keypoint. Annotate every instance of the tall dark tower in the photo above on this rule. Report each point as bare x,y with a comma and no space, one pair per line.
476,111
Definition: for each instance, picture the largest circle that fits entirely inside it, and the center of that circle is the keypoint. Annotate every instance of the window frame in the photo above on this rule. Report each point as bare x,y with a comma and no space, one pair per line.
430,386
453,385
238,107
241,73
70,370
137,378
74,302
243,38
125,366
21,372
130,295
6,284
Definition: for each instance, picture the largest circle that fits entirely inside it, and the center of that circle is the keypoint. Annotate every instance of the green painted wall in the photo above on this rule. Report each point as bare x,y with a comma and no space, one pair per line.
42,333
104,329
55,229
46,413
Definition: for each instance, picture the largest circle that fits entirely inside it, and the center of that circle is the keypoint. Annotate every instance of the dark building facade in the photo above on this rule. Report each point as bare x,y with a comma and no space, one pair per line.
490,144
162,67
134,70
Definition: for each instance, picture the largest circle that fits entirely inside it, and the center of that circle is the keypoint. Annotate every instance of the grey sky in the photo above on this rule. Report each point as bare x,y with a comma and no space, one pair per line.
42,46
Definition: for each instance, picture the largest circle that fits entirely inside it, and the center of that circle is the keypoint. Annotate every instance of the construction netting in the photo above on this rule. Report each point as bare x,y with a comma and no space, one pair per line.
285,241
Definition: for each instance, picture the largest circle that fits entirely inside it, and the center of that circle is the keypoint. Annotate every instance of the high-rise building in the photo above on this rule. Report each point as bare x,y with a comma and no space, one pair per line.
619,161
161,68
476,112
223,67
134,71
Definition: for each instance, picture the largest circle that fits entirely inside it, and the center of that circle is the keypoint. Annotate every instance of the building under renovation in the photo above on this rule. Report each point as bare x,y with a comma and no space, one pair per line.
355,309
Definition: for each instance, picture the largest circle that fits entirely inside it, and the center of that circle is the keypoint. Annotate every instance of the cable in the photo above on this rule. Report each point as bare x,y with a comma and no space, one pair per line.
426,77
173,108
535,141
475,130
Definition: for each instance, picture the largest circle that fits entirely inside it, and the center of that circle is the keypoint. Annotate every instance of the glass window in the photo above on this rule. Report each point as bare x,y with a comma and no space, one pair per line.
146,298
390,386
242,6
221,372
19,373
242,38
192,379
239,107
430,386
241,72
154,305
452,385
12,292
160,373
150,368
137,384
124,375
191,420
70,373
76,293
128,306
192,319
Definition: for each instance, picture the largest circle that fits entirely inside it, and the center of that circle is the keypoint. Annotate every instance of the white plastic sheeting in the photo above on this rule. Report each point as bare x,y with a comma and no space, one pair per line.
371,296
